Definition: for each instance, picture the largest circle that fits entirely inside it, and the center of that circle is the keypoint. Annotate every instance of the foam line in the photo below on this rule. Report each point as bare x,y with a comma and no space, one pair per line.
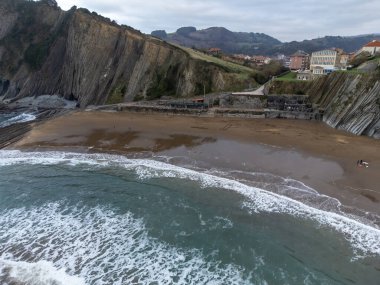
39,273
365,239
22,118
101,247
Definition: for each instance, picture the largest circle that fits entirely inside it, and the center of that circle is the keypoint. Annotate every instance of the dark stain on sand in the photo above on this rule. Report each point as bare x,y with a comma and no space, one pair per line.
174,141
103,138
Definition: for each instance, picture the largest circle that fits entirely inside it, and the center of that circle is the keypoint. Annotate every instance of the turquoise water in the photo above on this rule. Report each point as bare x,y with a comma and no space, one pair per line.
102,219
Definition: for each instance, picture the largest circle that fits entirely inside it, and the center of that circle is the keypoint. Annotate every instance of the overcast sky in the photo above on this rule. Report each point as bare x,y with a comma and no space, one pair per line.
284,20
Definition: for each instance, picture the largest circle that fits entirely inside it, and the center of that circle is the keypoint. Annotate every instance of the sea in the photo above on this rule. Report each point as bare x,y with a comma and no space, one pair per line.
69,218
14,118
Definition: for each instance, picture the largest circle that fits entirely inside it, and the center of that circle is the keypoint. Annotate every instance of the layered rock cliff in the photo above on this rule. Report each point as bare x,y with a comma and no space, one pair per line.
82,56
351,101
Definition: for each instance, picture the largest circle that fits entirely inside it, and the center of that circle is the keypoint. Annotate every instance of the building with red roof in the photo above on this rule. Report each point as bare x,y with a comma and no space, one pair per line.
215,51
372,47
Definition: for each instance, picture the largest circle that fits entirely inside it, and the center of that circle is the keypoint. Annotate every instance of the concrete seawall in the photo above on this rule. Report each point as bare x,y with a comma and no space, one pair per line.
210,112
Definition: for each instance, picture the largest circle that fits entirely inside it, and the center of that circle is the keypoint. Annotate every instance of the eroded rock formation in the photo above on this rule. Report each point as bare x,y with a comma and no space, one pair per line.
83,56
351,102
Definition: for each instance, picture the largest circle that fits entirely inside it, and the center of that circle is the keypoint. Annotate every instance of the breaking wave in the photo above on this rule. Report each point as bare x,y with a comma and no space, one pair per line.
364,239
22,118
98,246
39,273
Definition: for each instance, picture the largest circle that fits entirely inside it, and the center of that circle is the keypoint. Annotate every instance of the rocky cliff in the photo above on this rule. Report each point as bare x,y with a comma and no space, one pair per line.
83,56
351,101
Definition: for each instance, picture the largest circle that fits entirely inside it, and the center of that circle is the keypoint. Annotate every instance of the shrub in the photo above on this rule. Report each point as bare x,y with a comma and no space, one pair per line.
117,95
359,59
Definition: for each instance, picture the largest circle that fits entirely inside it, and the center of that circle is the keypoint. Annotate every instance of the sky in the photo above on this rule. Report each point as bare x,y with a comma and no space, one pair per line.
285,20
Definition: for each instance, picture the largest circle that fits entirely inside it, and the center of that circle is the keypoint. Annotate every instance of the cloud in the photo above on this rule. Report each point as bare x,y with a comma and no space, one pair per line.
285,20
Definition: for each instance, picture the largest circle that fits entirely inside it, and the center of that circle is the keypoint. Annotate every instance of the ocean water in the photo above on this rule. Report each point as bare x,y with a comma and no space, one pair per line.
14,118
70,218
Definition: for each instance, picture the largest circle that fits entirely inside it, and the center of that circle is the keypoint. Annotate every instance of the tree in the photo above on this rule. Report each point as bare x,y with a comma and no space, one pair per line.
51,3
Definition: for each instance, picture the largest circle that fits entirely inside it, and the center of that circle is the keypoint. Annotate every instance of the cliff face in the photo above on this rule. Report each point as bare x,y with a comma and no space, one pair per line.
351,102
82,56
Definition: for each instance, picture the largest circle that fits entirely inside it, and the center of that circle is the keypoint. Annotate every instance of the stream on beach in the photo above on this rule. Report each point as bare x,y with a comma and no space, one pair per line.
75,218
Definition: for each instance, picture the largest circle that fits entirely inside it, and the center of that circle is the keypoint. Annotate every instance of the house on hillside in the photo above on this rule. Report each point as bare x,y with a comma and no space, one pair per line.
299,61
286,62
372,47
260,60
304,75
345,59
215,51
318,70
327,61
240,58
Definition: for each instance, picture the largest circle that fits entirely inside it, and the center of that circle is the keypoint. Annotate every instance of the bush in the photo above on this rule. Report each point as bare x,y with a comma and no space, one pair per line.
117,95
359,59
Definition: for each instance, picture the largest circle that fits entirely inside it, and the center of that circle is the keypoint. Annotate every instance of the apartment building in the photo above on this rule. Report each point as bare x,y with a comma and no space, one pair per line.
327,61
299,61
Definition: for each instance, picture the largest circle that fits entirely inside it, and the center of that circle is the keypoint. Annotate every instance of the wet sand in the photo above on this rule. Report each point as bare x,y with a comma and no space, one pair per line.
309,151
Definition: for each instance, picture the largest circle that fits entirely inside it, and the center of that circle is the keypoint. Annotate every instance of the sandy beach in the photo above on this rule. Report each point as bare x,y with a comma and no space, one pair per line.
308,151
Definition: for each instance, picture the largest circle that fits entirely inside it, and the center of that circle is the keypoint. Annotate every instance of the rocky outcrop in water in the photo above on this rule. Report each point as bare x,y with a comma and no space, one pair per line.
351,101
83,56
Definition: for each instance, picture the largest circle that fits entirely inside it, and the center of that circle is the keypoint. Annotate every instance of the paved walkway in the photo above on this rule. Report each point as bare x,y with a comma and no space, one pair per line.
258,92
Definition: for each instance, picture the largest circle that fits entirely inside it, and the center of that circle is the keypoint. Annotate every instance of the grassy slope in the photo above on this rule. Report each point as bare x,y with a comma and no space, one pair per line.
290,76
241,71
239,76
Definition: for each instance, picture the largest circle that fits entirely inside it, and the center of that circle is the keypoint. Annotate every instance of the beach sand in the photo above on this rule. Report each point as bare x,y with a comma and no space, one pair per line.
308,151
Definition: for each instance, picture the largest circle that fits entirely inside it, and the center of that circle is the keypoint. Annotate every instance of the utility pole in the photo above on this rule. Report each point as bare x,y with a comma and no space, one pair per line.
204,95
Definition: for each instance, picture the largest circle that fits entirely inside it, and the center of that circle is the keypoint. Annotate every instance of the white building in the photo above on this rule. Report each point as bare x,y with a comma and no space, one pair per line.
327,61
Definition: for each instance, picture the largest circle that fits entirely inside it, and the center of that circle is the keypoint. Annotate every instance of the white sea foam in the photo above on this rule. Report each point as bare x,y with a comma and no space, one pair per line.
102,247
364,239
39,273
22,118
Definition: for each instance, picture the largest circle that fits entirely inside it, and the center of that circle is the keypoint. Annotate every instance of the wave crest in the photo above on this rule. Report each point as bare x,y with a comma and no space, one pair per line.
365,239
22,118
39,273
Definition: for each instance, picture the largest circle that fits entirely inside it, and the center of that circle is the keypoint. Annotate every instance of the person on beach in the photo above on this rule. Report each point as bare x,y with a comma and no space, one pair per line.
361,163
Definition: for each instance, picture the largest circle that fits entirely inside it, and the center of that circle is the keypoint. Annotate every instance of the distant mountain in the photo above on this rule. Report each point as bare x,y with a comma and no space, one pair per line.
257,43
348,44
229,42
